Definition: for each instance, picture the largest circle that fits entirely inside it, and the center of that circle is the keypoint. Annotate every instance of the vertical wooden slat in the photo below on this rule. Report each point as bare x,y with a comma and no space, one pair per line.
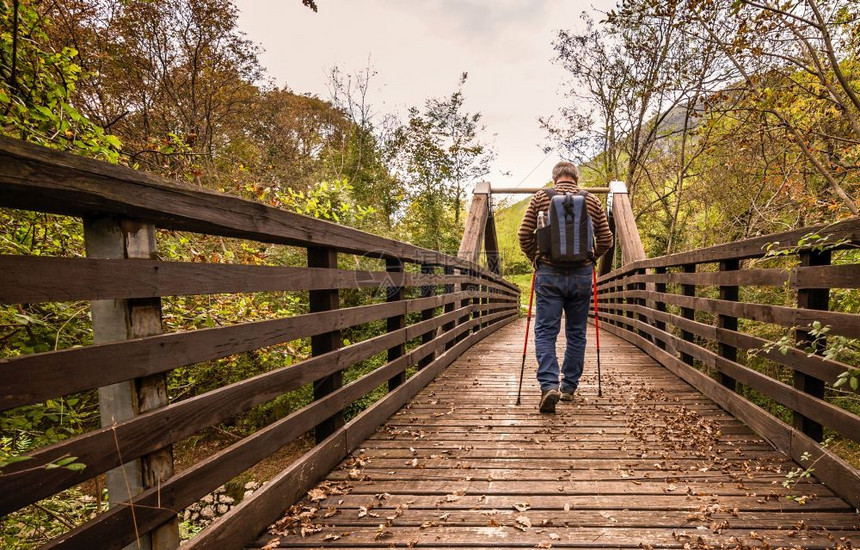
115,320
688,313
427,314
727,322
449,289
491,244
811,299
629,287
397,322
660,305
466,287
325,300
642,303
606,260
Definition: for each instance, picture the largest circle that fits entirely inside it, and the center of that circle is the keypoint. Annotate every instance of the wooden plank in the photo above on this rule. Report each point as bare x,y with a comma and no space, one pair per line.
427,314
843,422
476,222
824,276
755,247
626,231
686,312
327,342
749,520
533,190
478,455
241,524
794,359
728,293
819,300
395,323
116,320
491,244
147,433
583,503
116,528
845,324
832,470
441,535
93,366
34,279
46,180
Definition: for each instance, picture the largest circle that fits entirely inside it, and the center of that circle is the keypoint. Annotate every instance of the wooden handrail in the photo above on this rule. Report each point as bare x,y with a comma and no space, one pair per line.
40,179
700,337
114,201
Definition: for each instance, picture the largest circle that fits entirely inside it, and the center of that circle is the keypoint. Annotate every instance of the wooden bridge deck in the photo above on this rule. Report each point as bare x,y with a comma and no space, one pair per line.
651,464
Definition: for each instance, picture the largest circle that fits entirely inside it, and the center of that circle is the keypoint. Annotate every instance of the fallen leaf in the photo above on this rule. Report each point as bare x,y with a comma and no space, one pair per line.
310,530
522,506
523,520
317,494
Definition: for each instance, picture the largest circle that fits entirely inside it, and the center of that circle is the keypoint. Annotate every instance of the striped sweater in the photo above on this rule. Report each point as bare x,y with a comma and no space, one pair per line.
540,202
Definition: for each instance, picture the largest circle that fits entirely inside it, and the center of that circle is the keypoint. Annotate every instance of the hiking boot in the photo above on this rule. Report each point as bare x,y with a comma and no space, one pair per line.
548,399
566,396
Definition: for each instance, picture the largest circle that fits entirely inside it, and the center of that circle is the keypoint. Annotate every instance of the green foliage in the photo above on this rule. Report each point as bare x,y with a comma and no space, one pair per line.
37,86
329,201
35,525
508,219
795,476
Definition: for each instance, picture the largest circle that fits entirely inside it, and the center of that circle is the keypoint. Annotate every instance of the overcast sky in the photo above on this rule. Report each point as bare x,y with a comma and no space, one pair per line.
420,47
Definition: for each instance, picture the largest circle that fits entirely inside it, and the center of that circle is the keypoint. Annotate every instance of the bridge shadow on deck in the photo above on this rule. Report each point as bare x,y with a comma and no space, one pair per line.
652,463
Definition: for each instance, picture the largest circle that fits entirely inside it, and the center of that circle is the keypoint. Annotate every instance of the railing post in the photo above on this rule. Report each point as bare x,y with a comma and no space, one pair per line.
115,320
476,302
449,307
728,293
660,305
688,312
629,300
466,287
491,246
808,298
427,291
642,303
397,322
325,300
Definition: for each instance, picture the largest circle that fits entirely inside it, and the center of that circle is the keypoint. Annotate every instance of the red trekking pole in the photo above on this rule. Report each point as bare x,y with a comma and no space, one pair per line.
526,345
596,330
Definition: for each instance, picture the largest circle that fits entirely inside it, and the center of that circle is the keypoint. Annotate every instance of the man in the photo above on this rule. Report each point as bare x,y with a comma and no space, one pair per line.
560,289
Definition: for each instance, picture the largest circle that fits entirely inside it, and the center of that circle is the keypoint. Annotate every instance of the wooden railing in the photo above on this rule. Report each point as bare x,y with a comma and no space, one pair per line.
121,210
686,311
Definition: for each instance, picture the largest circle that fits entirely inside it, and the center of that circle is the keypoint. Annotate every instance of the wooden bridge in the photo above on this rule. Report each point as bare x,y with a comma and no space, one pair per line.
688,447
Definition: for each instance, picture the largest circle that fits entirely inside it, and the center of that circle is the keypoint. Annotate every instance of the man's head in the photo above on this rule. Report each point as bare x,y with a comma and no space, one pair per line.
565,171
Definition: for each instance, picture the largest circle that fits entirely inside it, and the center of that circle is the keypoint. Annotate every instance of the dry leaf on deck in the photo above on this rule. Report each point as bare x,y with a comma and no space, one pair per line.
317,494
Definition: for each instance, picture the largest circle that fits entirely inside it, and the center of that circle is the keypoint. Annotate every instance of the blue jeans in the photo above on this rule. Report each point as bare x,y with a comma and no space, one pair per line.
557,290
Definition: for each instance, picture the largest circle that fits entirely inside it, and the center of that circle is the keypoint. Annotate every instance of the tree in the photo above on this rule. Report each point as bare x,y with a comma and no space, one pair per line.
168,77
38,84
366,150
440,153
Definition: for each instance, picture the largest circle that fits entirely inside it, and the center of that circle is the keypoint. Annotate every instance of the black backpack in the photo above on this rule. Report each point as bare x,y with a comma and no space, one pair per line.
567,238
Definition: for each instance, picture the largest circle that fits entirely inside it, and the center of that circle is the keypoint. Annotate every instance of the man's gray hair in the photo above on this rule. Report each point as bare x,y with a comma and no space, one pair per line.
565,168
